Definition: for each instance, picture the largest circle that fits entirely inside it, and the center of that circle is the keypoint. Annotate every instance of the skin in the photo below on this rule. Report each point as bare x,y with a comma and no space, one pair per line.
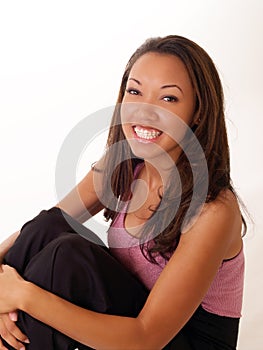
158,93
214,236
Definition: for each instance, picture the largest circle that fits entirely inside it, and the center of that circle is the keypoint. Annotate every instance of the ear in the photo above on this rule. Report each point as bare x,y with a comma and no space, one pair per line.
196,121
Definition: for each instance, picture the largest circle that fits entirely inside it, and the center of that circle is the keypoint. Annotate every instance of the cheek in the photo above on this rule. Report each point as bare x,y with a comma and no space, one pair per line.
126,130
127,112
185,111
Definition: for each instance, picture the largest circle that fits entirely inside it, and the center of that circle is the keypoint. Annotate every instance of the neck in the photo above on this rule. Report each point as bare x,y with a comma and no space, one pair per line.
155,177
151,175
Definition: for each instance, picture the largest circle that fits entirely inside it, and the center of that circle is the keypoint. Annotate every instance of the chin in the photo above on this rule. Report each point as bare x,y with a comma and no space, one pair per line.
147,151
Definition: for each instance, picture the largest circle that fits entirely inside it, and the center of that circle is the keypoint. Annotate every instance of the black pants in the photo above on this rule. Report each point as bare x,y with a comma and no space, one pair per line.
60,255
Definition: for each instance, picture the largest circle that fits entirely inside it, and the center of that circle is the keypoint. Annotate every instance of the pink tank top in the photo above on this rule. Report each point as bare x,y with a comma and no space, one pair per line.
224,297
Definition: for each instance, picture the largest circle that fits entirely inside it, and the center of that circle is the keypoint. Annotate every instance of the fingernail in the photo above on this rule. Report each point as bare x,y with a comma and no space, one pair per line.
13,316
27,341
23,348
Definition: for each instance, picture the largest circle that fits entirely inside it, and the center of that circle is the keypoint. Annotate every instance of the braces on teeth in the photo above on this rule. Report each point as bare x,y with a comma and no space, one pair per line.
145,134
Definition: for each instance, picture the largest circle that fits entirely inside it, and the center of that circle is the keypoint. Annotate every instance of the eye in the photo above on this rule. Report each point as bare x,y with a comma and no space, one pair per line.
170,98
132,91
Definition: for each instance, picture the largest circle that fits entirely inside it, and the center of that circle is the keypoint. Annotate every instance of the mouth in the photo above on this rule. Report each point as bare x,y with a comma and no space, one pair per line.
145,133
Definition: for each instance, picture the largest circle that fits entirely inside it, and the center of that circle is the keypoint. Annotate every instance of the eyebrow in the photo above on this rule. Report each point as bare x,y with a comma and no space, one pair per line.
136,81
162,87
172,85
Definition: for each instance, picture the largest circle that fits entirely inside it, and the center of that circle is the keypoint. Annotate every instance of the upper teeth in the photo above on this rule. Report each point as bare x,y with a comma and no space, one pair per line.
146,134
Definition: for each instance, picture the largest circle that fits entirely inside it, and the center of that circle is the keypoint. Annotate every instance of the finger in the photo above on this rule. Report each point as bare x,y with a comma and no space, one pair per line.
13,316
2,347
9,338
13,329
7,268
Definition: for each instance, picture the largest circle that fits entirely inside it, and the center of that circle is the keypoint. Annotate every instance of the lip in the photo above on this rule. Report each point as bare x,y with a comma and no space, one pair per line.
149,129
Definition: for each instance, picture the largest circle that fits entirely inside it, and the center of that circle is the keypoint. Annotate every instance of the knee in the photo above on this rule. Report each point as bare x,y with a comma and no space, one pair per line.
46,221
52,217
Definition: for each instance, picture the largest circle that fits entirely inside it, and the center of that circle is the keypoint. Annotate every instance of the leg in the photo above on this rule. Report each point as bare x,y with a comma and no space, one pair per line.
179,342
206,331
85,274
209,331
38,232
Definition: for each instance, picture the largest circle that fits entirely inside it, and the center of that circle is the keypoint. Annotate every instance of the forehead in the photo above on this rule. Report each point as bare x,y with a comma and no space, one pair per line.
162,67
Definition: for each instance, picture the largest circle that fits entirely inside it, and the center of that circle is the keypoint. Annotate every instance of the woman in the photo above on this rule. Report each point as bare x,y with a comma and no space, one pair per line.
173,274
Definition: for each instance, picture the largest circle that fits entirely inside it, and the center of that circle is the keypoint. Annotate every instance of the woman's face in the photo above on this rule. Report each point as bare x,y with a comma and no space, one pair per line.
158,103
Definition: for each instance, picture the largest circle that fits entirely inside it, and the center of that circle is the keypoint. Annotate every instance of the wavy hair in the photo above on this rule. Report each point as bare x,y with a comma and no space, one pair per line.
211,133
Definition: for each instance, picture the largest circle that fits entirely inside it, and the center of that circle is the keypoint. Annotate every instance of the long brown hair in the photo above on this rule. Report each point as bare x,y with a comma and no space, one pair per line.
210,132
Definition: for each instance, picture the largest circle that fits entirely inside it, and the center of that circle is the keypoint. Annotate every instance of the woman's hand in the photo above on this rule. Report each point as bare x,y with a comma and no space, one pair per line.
8,329
10,291
10,332
9,282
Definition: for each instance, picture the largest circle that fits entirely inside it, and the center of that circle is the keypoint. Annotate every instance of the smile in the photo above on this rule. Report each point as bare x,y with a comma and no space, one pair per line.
146,134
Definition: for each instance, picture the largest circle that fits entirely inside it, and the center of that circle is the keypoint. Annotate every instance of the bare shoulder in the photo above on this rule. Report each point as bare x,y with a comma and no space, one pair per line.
219,220
226,200
225,210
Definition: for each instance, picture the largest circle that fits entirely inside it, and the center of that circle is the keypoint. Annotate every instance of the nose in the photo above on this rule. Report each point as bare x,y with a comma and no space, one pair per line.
146,112
141,113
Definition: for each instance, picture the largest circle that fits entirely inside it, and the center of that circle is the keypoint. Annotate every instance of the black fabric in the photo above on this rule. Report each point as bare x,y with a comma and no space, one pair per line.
211,332
60,255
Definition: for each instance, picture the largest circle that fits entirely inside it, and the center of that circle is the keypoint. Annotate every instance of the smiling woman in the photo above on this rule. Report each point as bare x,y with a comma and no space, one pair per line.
156,87
172,276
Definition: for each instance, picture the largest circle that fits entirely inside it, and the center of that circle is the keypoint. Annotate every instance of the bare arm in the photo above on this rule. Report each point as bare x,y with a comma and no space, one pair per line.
187,275
83,201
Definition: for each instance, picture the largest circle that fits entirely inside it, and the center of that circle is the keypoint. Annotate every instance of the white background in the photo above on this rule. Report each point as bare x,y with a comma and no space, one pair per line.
62,60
